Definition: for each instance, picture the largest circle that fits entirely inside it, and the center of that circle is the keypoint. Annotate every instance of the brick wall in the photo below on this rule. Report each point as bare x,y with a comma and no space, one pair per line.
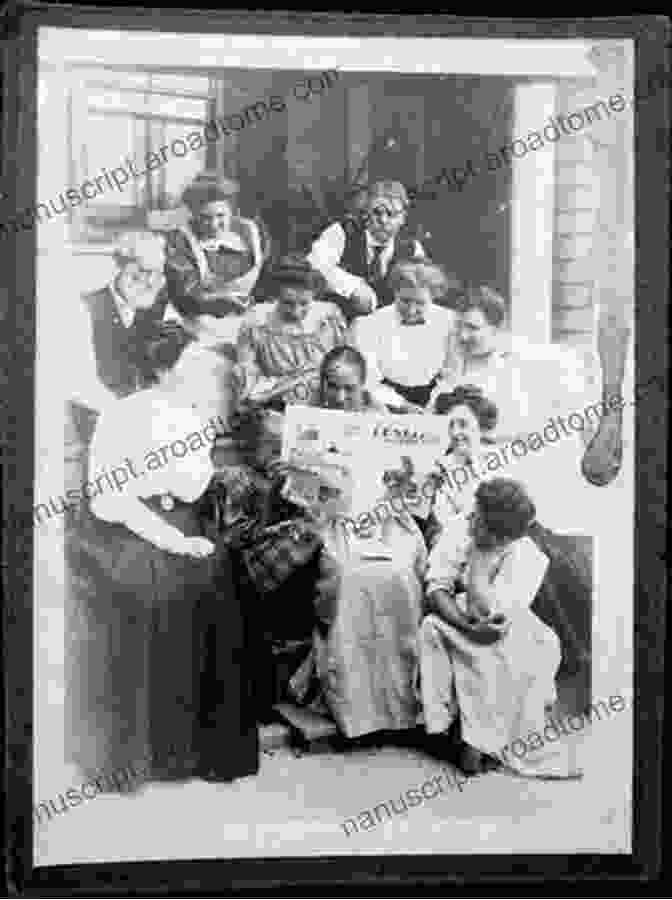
576,200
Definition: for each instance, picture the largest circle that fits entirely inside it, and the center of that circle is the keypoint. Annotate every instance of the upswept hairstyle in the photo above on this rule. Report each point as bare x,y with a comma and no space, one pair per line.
422,273
505,507
473,397
484,298
209,187
295,270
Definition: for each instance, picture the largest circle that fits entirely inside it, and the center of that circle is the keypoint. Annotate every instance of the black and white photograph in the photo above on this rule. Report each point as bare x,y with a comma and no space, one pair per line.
353,315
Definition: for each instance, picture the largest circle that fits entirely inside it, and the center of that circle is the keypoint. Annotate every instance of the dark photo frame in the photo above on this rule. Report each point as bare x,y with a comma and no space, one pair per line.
18,192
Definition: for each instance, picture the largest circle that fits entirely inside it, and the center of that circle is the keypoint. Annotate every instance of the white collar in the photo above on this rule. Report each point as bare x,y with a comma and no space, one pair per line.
228,240
387,249
428,317
124,308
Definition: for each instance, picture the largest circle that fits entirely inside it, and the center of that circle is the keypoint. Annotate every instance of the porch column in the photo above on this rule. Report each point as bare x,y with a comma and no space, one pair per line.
532,217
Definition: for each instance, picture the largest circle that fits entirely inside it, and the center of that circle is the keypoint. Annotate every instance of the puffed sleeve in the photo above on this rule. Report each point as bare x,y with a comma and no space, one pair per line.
117,431
85,386
365,332
247,370
448,555
325,256
335,323
251,381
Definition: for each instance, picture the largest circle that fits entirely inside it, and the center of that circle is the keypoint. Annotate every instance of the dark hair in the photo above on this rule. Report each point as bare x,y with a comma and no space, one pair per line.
469,395
164,347
482,297
295,270
505,507
209,187
343,353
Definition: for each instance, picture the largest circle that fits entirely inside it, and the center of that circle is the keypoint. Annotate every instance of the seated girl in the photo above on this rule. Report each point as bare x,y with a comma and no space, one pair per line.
487,662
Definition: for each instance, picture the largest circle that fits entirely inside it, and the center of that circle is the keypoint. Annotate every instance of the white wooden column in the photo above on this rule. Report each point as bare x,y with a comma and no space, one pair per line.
358,127
532,216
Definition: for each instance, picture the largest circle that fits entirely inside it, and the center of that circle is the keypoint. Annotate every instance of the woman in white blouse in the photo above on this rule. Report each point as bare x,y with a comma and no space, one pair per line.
409,344
564,599
542,396
163,660
487,662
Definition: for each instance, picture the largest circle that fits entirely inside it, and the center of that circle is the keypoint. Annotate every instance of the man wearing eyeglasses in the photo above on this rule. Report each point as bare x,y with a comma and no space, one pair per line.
355,257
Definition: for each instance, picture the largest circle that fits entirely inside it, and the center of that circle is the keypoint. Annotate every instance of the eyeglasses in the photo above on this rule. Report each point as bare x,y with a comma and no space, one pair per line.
140,275
382,212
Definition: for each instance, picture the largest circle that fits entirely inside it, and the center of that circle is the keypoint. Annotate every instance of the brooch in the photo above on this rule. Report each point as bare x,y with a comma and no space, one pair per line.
167,502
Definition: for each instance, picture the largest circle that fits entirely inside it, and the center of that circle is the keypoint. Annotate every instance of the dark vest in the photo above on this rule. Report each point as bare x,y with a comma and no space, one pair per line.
354,259
119,350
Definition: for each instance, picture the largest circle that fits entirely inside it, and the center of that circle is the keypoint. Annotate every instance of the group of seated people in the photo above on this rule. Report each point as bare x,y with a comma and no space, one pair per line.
180,578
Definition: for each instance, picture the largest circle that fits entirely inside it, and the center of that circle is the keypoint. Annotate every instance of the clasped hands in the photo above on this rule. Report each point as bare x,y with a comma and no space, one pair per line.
486,629
481,628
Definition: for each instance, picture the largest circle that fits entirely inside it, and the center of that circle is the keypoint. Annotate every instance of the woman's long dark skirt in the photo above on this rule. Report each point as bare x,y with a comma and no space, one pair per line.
160,676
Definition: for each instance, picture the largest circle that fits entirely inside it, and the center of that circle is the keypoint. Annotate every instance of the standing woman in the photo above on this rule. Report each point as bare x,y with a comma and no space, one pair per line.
163,665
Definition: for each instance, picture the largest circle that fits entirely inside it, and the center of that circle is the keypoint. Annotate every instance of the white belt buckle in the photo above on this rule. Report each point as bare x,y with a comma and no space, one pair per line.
167,502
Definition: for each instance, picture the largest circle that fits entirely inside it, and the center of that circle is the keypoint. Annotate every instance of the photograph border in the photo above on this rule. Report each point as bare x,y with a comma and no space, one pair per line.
19,185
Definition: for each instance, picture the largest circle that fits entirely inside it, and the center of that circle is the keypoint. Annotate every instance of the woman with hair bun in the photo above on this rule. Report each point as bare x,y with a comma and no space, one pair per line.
487,661
540,391
213,262
163,671
471,417
563,600
281,345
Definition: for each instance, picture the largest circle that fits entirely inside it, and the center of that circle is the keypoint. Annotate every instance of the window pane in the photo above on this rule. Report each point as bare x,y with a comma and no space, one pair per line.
183,84
109,141
100,100
179,170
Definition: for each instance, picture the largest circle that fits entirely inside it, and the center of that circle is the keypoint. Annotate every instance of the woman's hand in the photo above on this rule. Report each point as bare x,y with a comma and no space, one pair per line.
279,469
486,631
433,530
198,547
403,407
363,298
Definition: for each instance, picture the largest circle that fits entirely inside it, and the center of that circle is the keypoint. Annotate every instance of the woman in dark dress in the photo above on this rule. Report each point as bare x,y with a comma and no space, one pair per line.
161,646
